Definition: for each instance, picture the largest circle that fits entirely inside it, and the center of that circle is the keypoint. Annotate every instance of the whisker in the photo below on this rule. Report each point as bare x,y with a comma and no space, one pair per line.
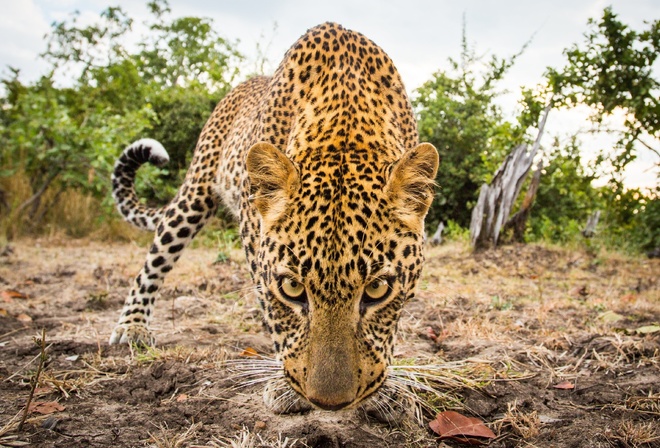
384,408
421,386
389,404
253,371
254,361
285,398
414,384
445,366
250,380
418,405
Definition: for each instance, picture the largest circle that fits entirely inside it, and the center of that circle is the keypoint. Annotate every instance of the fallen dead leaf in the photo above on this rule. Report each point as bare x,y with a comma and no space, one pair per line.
10,294
458,427
648,329
629,298
43,391
181,398
24,318
46,407
248,352
610,316
564,385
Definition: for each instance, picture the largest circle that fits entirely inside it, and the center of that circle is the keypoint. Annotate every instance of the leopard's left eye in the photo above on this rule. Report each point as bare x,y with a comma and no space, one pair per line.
376,291
293,290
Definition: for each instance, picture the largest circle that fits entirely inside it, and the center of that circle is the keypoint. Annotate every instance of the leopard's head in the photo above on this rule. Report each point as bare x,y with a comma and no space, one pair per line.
340,253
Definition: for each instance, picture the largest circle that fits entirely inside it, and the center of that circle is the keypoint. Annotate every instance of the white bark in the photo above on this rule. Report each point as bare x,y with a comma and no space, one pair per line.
496,200
436,239
590,230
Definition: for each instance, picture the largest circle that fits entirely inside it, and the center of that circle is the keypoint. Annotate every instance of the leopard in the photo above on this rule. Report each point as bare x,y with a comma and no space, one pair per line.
321,165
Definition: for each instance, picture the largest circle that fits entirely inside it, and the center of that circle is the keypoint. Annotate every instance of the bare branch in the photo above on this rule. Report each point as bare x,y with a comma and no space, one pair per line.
657,153
38,194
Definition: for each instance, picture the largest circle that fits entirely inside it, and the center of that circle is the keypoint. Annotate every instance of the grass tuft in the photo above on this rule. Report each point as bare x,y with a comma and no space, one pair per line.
522,424
628,434
248,439
167,438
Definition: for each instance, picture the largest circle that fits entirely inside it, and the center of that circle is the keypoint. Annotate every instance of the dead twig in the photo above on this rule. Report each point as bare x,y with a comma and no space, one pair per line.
35,379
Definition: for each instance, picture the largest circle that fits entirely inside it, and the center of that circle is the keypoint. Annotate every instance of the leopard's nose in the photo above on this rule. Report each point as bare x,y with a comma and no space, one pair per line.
329,407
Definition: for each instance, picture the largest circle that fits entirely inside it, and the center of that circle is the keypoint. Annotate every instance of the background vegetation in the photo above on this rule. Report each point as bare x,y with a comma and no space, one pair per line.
59,143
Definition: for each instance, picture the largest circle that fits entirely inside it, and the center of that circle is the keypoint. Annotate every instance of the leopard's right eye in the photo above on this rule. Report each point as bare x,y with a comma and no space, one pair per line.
377,289
293,290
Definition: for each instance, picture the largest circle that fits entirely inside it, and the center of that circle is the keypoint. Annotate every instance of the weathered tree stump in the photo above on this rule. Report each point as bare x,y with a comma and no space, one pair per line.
436,239
518,222
496,200
590,229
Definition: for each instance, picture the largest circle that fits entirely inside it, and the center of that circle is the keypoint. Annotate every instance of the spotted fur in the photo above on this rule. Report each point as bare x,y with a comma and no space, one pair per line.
321,165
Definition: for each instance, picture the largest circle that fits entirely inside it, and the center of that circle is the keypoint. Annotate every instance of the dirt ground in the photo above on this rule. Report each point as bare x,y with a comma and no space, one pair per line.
549,347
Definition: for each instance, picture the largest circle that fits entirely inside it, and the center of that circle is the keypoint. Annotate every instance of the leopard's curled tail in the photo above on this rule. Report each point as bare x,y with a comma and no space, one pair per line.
123,182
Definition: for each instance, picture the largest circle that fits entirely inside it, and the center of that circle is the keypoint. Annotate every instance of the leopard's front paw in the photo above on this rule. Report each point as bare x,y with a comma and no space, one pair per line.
280,398
132,333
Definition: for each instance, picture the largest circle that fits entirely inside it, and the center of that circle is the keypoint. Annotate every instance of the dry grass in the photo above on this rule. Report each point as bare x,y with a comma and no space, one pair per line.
629,434
79,381
499,294
77,214
647,404
204,357
437,386
248,439
167,438
17,190
488,335
520,423
66,211
73,214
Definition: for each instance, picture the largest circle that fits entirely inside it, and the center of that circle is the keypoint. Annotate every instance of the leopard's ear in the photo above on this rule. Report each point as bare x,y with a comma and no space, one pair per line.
411,185
272,179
